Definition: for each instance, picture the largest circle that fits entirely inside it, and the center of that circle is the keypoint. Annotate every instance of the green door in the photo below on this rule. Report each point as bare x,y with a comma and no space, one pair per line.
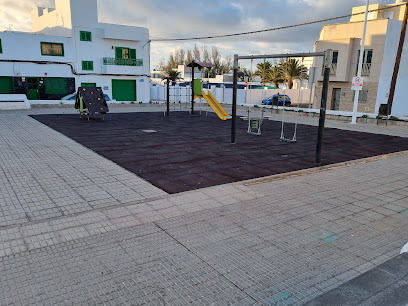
88,84
32,89
6,85
124,90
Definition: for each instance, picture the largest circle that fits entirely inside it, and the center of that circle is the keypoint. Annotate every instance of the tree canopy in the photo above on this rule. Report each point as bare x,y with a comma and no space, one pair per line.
282,72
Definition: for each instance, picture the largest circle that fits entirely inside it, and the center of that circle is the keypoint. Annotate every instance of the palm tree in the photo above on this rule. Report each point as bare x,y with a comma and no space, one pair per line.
262,71
172,75
270,73
275,76
292,69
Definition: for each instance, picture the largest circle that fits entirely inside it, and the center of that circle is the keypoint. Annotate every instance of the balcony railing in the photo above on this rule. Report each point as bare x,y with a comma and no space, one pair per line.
122,61
365,69
333,68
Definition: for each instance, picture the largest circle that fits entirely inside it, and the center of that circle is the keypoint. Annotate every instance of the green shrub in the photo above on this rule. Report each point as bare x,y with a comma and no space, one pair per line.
133,102
256,106
364,116
301,111
393,118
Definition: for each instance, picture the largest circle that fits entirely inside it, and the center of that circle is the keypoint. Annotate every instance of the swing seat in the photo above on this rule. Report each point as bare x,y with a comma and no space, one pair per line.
288,140
254,133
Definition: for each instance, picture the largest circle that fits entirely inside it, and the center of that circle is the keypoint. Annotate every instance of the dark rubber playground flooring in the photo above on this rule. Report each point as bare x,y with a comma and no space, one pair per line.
188,152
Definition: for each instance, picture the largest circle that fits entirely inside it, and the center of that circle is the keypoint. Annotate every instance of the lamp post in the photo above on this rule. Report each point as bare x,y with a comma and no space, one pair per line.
360,65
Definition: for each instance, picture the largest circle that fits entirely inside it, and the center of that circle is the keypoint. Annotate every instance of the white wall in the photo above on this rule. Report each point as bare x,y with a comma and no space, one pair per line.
400,103
26,46
224,95
255,96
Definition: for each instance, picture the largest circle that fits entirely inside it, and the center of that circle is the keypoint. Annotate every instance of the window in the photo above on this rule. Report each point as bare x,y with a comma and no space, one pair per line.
335,57
85,36
1,49
389,15
362,96
125,53
367,59
87,65
52,49
56,86
333,66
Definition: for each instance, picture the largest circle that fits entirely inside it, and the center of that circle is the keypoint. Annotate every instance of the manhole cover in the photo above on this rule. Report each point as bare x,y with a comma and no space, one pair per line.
149,131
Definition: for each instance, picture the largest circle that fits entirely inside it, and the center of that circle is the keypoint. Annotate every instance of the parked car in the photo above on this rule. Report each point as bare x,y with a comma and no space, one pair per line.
280,100
73,97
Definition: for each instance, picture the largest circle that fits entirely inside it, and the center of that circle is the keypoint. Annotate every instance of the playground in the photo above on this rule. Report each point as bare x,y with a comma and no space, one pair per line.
182,152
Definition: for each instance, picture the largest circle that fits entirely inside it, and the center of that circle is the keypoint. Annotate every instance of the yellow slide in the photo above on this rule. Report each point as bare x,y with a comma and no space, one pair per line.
222,114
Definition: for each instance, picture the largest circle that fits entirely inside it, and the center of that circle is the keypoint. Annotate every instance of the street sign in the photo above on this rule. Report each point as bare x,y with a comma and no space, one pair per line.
357,83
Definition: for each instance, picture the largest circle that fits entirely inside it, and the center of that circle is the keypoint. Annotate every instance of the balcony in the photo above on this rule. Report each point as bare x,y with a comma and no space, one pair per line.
122,61
365,69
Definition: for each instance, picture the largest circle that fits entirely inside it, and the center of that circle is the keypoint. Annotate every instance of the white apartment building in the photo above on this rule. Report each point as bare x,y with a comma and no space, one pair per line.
382,38
69,48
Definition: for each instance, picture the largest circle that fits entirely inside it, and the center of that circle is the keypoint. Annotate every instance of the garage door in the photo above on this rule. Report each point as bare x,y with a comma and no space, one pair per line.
6,85
124,90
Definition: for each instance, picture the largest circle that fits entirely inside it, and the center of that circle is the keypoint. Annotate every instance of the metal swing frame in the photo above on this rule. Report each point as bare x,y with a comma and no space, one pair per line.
327,55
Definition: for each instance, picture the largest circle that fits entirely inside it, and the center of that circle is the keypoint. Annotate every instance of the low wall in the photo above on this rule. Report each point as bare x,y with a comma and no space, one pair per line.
14,101
297,96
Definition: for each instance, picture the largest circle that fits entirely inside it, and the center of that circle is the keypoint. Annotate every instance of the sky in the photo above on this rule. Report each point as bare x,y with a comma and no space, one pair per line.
194,18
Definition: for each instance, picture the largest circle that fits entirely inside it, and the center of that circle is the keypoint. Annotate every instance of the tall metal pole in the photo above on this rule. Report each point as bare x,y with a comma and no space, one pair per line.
326,75
192,88
234,99
360,65
397,61
168,98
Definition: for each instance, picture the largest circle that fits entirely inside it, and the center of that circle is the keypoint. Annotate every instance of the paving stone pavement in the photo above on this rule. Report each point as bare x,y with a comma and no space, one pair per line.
45,174
282,241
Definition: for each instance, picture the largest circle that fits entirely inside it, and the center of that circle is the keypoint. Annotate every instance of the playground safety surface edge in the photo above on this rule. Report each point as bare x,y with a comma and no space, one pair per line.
183,152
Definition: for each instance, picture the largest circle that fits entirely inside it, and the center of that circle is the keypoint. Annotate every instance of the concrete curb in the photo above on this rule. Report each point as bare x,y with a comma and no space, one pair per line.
320,169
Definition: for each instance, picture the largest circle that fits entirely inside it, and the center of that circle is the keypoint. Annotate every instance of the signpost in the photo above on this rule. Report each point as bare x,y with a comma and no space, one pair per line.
357,83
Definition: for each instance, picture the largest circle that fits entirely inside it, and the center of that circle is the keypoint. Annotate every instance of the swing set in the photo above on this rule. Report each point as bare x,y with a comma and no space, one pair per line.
327,55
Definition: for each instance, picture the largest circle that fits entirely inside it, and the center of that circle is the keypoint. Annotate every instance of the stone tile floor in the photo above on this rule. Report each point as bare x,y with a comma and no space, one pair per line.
282,241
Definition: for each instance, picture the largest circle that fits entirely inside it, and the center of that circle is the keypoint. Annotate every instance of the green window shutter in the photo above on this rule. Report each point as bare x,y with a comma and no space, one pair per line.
1,49
118,52
87,65
85,36
132,53
56,86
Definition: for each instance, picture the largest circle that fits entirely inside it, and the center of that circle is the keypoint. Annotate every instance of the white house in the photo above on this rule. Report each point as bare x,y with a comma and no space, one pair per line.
70,48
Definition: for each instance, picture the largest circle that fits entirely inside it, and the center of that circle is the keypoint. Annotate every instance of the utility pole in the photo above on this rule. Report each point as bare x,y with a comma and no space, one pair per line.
360,65
326,75
397,61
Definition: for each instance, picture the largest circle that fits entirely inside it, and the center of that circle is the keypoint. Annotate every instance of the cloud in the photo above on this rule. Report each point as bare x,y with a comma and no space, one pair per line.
180,19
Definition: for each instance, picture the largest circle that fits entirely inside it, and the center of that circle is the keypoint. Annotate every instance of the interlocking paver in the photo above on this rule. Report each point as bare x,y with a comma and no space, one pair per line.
275,242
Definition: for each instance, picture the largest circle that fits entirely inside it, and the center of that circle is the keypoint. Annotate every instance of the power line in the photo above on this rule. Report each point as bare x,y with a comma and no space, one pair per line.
272,29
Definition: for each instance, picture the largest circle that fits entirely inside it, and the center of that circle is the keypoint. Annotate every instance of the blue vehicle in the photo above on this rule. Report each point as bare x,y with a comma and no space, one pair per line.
279,100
